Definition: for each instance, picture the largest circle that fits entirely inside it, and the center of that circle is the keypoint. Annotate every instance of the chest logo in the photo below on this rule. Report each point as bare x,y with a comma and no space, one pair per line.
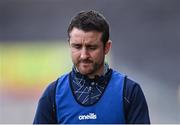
88,116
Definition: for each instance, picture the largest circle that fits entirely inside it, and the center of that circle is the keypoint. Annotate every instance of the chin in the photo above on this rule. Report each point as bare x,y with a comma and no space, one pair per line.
85,72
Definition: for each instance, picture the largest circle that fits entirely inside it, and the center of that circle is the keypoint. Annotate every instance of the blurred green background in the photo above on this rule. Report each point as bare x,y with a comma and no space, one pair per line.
29,66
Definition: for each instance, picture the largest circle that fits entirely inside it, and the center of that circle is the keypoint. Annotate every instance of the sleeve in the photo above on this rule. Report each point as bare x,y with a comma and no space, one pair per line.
136,108
45,113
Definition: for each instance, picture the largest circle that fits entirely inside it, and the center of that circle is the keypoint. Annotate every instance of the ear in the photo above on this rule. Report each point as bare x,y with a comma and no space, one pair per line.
108,46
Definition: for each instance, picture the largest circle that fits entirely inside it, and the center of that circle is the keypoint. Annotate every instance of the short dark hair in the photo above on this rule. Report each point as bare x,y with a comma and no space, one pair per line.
89,21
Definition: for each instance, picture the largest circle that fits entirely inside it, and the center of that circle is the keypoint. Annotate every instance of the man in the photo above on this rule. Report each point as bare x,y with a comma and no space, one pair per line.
91,93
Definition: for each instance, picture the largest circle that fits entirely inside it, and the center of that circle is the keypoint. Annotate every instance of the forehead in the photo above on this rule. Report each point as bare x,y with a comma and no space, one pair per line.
80,35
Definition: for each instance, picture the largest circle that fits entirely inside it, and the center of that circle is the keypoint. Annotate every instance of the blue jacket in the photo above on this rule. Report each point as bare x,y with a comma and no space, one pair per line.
134,105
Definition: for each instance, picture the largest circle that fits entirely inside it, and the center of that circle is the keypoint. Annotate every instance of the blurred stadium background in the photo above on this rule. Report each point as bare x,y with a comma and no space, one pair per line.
34,51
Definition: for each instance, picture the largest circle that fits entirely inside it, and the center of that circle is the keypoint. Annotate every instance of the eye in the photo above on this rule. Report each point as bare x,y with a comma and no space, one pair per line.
92,47
76,46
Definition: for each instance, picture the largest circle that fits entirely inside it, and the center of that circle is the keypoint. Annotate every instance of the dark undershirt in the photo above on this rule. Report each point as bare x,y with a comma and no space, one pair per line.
135,106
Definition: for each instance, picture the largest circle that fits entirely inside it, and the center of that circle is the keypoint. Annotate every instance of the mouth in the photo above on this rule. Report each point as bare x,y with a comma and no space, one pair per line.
85,63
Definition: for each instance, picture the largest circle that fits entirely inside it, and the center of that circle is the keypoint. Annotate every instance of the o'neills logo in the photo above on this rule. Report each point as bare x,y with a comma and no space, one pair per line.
89,116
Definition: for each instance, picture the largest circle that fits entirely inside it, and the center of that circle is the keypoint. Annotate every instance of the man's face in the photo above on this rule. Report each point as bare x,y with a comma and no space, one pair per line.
88,51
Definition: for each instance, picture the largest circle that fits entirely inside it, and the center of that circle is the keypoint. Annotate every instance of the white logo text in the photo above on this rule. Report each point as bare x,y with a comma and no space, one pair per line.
89,116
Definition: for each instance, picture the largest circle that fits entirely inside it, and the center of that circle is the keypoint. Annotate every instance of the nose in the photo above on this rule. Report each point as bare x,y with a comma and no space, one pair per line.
84,53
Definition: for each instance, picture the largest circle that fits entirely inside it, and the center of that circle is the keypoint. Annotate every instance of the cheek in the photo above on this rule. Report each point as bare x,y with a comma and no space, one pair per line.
98,55
74,56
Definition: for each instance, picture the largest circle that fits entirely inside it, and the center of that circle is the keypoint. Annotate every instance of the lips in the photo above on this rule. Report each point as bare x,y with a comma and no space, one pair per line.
85,61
